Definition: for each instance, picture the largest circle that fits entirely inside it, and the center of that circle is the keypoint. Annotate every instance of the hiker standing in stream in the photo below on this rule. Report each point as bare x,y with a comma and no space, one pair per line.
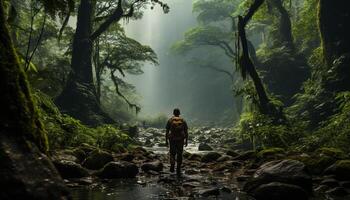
177,137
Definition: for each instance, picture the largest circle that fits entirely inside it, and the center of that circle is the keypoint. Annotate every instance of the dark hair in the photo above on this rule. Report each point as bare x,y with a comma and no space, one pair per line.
176,112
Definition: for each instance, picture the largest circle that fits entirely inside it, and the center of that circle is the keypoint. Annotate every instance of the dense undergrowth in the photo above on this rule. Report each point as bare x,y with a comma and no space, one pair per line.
64,131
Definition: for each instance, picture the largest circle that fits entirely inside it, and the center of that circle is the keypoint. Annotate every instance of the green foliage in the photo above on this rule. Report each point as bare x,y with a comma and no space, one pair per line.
201,36
158,121
65,131
335,131
213,10
264,132
306,26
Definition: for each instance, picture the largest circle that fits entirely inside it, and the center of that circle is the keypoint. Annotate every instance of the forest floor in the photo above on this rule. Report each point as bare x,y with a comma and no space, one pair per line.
214,167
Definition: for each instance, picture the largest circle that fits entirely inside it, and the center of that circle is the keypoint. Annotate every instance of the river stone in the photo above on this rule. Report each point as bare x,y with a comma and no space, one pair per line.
338,191
70,169
210,157
121,169
152,166
246,155
209,192
204,147
278,191
341,169
232,153
284,171
97,159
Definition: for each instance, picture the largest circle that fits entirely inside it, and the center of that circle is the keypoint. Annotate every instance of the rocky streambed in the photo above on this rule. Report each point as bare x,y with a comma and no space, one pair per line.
215,167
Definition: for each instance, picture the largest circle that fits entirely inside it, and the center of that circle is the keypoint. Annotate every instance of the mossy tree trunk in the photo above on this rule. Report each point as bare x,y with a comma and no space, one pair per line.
245,62
80,96
334,18
25,172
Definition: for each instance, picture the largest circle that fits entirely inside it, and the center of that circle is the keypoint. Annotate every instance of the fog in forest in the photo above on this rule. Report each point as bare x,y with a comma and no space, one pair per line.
201,94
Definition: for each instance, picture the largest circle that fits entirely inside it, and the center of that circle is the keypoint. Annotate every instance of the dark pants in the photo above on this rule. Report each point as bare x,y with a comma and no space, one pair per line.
176,150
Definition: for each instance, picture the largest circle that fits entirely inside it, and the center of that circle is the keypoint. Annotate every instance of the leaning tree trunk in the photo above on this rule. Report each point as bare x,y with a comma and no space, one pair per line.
79,98
246,63
25,172
334,17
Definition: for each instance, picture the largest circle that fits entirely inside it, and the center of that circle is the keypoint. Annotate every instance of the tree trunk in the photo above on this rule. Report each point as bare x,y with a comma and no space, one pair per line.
285,25
79,98
334,17
25,172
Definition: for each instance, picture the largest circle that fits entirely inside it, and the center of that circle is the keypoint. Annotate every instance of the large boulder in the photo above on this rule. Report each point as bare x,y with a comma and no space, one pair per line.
278,191
204,147
210,157
26,173
341,169
152,166
114,170
284,171
70,169
97,159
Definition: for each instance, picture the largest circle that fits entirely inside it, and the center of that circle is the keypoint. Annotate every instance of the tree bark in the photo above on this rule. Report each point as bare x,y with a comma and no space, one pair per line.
25,172
285,25
247,64
334,17
79,98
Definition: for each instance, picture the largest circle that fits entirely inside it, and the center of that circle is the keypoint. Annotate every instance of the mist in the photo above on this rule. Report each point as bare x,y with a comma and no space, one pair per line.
201,94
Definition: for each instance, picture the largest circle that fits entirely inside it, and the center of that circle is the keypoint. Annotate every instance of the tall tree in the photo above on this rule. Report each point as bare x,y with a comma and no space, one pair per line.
79,97
26,172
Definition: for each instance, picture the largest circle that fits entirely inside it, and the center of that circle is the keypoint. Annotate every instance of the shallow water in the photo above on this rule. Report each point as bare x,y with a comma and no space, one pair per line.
131,190
119,189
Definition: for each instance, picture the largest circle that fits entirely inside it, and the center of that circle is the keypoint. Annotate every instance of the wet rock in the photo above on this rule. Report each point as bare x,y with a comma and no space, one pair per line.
271,153
127,157
345,184
226,189
70,169
285,171
209,192
316,164
64,155
246,155
204,147
338,191
154,166
278,191
210,157
224,158
79,154
243,178
114,170
341,169
97,159
321,189
232,153
195,157
330,182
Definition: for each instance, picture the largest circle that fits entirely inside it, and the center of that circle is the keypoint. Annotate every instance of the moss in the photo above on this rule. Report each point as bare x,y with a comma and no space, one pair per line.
19,113
331,152
316,164
270,152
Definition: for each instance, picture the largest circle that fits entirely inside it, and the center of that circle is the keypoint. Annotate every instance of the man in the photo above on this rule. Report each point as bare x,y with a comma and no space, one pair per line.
177,137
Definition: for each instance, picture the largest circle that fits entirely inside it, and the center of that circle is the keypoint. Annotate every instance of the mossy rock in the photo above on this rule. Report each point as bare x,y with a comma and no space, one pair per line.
341,169
317,164
332,152
118,148
97,159
270,152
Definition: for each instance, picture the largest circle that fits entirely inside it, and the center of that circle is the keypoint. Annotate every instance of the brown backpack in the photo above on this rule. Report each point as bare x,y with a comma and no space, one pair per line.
177,128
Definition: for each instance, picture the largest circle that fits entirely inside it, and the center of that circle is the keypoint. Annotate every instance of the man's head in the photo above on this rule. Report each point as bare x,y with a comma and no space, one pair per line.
176,112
